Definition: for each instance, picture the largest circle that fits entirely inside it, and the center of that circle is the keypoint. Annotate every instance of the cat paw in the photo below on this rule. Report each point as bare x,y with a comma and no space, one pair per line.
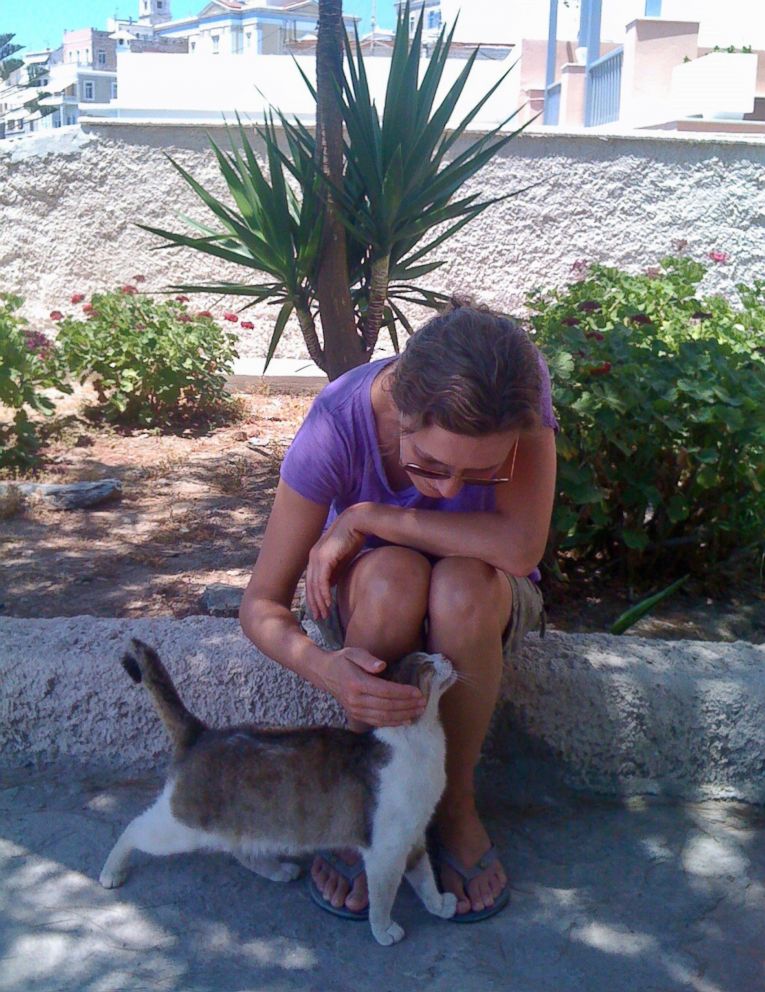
270,868
112,879
444,906
287,871
391,934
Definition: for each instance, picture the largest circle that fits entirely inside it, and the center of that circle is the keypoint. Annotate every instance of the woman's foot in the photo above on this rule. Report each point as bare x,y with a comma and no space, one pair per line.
338,891
461,833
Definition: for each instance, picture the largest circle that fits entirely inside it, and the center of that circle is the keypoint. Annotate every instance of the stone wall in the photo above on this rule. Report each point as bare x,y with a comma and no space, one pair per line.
70,202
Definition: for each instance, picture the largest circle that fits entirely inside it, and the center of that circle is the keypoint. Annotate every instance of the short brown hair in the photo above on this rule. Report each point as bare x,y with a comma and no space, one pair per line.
470,371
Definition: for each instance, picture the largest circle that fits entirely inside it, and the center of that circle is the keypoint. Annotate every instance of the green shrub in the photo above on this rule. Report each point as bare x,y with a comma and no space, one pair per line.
660,396
148,361
27,366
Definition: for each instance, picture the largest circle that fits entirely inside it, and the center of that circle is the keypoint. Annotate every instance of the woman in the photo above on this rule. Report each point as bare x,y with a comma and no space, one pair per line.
418,493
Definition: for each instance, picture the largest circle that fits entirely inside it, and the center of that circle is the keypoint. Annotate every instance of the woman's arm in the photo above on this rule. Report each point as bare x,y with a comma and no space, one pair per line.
350,674
512,539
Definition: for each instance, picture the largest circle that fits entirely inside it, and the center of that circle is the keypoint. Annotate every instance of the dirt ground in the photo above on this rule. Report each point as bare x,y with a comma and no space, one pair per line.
192,512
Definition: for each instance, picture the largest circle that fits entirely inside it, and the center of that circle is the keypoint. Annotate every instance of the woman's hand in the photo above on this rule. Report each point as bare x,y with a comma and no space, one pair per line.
352,675
335,548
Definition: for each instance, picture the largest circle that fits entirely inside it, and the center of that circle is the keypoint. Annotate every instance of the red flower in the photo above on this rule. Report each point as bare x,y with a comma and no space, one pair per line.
589,306
602,369
640,318
88,308
595,334
228,315
181,299
247,325
78,297
570,321
184,318
129,290
139,278
56,315
204,313
720,257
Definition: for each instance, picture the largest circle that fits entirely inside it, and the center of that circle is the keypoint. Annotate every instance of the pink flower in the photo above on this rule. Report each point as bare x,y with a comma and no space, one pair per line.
181,299
88,308
129,290
228,315
56,315
38,343
247,325
139,278
204,313
78,297
721,257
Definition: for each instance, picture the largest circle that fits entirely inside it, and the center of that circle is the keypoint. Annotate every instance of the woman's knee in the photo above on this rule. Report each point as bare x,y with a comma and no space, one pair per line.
390,585
467,594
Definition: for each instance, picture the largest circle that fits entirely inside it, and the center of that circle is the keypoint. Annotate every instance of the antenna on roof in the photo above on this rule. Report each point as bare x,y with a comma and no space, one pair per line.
374,15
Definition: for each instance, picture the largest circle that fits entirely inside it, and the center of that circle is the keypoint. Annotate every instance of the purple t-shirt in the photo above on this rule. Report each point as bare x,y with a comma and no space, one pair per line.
335,457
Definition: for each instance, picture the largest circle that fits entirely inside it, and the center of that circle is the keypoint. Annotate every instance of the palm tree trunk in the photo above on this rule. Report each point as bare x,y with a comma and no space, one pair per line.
378,292
311,338
343,348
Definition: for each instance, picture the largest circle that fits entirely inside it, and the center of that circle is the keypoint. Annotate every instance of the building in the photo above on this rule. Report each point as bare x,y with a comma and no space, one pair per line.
682,65
65,82
243,27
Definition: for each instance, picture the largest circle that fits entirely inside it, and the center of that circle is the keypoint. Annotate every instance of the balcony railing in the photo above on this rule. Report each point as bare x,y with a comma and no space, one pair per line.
552,104
604,83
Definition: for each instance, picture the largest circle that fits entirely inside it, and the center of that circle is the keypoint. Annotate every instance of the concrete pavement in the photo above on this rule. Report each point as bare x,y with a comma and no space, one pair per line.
640,896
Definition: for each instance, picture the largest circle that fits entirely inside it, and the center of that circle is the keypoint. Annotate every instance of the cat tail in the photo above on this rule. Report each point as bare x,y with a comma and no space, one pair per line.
143,665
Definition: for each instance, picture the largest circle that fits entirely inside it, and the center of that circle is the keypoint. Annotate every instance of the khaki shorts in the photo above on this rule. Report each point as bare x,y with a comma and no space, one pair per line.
527,614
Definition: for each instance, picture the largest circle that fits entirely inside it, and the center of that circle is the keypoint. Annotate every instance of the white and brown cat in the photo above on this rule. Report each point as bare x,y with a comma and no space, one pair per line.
265,794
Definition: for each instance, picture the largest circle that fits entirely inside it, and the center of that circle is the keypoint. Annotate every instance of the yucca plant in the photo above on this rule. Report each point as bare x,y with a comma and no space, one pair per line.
398,185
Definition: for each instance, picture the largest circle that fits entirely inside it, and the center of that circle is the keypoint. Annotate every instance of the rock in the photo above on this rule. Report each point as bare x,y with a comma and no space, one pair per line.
259,442
221,600
70,496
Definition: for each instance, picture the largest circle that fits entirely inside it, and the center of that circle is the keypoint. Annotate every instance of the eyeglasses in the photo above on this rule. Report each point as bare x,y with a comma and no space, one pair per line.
412,468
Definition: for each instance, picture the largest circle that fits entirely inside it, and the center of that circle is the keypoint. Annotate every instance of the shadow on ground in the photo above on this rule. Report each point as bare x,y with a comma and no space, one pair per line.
642,895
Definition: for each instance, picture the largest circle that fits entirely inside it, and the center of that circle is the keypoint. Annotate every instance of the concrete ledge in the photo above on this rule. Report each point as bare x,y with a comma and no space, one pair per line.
610,714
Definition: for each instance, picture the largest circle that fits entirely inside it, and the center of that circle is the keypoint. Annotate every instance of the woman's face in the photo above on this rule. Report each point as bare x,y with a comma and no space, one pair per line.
460,456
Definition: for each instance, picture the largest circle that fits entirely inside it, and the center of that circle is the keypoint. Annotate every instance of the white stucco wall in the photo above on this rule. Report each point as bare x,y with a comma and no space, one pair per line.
70,202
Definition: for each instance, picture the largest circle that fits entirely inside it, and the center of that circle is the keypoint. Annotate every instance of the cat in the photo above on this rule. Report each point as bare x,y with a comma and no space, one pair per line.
263,793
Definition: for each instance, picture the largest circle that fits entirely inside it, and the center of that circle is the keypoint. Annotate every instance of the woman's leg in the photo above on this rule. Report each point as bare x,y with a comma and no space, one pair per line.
469,607
382,598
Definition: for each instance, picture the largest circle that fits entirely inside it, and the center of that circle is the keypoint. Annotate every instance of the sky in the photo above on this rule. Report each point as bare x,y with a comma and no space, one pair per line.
41,24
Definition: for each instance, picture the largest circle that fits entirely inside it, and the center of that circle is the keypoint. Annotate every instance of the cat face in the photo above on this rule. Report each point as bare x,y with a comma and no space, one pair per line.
430,673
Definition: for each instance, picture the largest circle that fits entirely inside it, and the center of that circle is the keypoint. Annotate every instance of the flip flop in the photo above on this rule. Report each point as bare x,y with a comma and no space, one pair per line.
441,856
350,873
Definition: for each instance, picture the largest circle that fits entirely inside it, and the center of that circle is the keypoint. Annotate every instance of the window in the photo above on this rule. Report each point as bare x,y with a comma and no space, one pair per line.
89,90
114,89
215,44
248,39
159,5
434,18
101,56
193,46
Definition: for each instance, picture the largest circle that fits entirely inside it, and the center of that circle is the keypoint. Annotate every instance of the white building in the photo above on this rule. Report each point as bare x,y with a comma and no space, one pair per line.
244,27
